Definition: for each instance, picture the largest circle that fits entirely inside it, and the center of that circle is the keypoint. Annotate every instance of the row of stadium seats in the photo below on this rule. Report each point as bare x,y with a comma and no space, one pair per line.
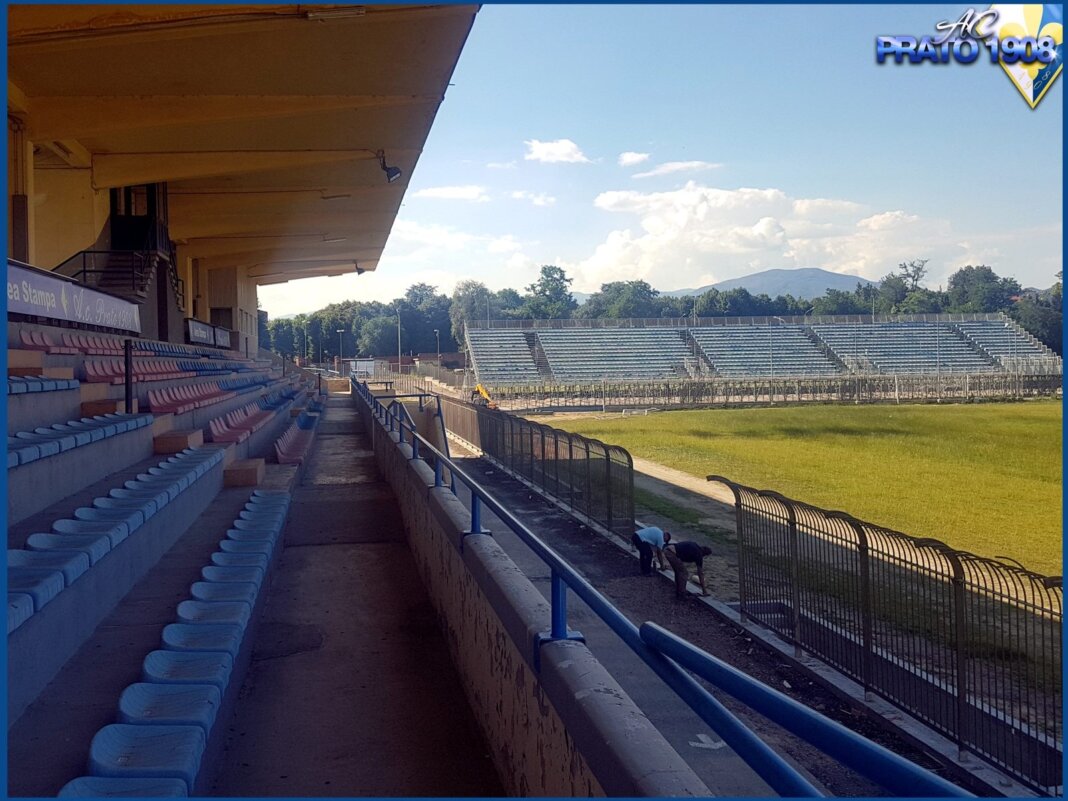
166,721
53,561
292,447
21,384
508,356
29,446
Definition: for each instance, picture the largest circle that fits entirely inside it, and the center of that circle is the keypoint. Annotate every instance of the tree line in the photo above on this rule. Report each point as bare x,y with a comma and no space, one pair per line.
430,322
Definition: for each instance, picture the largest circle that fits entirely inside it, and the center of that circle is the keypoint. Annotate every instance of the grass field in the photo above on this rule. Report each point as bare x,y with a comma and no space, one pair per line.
982,478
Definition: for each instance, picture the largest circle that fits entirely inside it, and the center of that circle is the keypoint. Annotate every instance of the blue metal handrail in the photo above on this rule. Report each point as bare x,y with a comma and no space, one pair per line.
782,778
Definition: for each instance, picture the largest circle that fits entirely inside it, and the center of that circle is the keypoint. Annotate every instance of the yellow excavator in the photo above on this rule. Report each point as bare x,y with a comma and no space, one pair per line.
480,397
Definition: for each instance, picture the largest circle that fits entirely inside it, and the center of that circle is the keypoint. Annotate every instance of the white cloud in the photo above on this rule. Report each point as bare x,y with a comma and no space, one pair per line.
538,199
501,165
698,234
559,151
669,167
504,244
887,220
630,158
470,192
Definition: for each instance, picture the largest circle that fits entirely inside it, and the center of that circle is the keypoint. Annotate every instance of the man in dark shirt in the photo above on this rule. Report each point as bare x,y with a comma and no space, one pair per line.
679,554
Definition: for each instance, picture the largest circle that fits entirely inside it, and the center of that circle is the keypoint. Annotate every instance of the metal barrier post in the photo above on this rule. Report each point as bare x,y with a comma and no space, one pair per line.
127,353
559,607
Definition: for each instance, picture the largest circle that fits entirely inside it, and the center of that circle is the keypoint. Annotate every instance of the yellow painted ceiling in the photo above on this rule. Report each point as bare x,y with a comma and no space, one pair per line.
263,120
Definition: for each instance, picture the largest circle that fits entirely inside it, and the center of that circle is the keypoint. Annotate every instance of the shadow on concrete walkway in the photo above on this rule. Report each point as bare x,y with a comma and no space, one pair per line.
351,691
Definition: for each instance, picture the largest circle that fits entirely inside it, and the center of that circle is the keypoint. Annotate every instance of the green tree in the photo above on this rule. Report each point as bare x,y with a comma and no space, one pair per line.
914,272
838,302
378,337
980,289
282,337
622,299
471,300
892,291
549,298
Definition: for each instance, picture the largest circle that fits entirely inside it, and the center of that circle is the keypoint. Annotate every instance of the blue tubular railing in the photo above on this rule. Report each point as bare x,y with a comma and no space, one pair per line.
808,724
877,763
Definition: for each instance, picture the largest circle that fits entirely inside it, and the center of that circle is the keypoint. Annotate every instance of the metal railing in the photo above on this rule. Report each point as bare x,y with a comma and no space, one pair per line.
867,758
709,322
968,645
109,270
592,480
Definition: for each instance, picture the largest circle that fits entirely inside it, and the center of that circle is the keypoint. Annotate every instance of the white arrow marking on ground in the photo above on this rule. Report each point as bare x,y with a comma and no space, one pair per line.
704,741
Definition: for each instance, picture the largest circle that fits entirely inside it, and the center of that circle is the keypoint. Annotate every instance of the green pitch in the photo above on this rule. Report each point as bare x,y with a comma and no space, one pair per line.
983,478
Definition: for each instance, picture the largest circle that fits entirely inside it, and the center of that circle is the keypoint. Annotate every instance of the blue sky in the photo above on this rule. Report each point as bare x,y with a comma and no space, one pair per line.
758,137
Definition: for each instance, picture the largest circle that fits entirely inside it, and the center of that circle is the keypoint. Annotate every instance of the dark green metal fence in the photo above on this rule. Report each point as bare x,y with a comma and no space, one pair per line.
585,476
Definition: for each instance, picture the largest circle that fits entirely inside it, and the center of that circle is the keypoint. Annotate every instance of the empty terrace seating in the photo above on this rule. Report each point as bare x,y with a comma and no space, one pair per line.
502,357
179,400
53,461
113,371
292,447
741,350
616,354
77,570
167,729
1003,340
29,446
39,340
903,347
19,384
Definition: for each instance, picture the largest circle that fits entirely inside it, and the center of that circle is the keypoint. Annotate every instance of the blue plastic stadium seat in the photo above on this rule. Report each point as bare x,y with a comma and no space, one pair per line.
223,559
247,546
147,506
236,612
170,705
19,609
267,515
225,591
253,535
104,787
188,667
95,546
45,446
258,525
122,750
70,563
221,574
115,531
40,583
133,518
203,637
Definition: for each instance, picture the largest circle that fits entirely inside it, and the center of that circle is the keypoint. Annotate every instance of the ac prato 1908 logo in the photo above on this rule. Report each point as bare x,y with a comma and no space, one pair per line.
1026,40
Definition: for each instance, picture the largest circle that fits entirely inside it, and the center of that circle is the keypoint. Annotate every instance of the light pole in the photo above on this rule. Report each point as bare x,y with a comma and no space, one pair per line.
398,342
340,361
437,338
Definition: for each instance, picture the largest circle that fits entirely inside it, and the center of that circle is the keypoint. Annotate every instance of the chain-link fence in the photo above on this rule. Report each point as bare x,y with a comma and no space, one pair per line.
970,646
589,478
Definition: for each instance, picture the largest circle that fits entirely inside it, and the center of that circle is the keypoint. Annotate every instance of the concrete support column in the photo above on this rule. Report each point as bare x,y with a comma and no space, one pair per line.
20,193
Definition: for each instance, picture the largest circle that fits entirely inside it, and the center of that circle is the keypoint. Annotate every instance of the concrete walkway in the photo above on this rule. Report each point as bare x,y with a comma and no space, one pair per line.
351,691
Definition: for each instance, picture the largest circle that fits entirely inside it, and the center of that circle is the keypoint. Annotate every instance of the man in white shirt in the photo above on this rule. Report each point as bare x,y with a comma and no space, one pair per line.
650,540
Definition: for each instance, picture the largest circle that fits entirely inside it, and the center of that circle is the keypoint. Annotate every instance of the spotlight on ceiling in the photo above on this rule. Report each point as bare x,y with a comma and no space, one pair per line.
392,173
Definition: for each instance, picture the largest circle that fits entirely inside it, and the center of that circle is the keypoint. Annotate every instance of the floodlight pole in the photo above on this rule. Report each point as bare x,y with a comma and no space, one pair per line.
340,355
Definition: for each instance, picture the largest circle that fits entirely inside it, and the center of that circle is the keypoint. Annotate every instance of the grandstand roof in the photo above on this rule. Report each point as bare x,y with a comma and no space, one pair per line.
264,121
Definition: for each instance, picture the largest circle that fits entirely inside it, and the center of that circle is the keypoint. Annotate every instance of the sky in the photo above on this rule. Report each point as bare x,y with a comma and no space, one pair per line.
687,144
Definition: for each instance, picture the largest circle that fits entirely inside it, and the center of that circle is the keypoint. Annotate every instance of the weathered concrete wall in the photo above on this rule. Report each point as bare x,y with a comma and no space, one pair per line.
566,729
